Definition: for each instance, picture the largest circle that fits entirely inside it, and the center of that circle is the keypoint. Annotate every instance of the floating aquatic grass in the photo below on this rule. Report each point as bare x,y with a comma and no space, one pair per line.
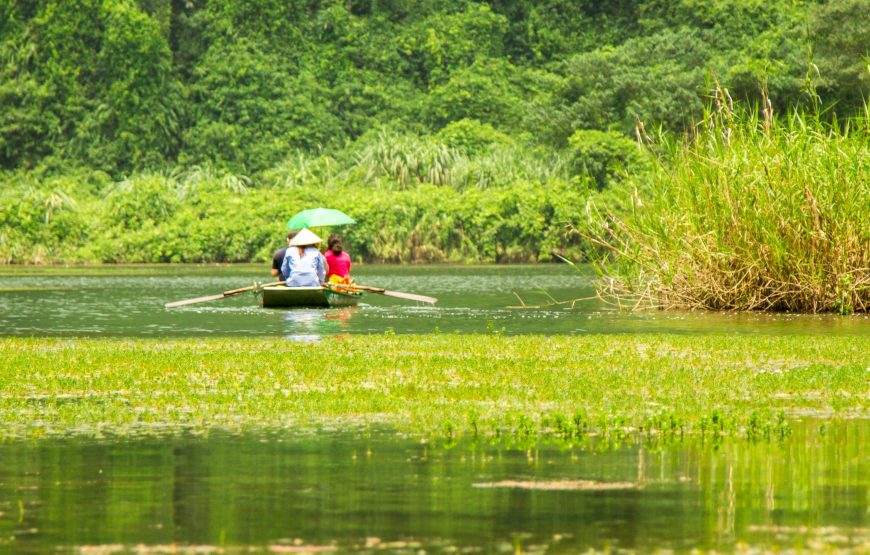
752,212
513,389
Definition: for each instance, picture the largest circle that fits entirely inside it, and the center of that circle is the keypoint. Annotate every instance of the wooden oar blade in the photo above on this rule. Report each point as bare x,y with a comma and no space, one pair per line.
194,301
410,296
397,294
224,295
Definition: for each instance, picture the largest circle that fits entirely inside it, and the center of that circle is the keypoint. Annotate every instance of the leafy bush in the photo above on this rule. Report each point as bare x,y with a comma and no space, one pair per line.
471,136
605,157
201,216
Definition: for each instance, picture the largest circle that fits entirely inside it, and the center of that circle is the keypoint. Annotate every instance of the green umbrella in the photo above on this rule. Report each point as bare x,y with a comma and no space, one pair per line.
319,217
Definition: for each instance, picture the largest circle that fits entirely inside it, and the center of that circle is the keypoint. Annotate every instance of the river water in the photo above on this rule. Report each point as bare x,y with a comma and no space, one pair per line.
378,492
128,301
382,494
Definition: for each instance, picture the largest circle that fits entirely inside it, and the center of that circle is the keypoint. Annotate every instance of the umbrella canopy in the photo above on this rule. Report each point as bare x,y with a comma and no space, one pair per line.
317,217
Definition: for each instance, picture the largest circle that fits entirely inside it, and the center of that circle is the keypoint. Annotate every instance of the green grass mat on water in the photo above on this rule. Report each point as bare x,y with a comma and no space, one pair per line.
566,387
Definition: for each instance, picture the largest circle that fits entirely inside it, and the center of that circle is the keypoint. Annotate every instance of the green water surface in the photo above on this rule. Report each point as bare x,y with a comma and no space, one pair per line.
128,301
378,492
382,493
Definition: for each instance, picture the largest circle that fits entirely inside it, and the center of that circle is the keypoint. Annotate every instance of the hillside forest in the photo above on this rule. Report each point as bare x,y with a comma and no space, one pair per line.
452,130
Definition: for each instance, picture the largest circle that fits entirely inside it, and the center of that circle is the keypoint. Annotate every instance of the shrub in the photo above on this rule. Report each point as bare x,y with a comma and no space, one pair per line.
604,156
471,136
204,216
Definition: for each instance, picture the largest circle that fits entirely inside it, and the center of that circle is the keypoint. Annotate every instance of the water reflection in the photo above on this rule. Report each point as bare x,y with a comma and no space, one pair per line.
311,324
382,493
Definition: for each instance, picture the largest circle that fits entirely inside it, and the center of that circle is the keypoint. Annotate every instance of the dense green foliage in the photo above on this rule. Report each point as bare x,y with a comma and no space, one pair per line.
487,385
199,216
124,85
276,103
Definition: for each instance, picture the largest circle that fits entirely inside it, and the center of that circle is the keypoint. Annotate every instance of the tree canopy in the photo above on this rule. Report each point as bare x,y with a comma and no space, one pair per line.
125,85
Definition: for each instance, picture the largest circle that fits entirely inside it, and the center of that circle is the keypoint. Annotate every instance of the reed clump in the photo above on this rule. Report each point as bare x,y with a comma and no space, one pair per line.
749,212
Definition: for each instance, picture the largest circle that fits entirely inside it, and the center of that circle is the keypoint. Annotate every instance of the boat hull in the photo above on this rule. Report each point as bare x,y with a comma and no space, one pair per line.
288,297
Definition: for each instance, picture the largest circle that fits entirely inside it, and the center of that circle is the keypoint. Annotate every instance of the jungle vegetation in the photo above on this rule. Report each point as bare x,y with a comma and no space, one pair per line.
185,130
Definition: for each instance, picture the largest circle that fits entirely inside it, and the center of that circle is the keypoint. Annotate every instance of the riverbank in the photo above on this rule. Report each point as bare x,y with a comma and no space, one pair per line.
514,388
158,218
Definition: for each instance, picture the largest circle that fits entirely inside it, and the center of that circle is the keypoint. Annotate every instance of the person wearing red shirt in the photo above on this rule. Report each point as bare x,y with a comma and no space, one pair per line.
337,260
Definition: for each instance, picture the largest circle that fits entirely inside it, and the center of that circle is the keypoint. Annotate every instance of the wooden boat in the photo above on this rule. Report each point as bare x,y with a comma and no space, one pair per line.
279,296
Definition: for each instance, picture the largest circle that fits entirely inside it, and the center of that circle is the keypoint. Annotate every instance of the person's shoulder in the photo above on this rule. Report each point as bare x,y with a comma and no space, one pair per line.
278,258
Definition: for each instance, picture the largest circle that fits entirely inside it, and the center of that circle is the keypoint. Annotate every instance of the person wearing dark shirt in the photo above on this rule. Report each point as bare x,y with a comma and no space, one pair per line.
278,258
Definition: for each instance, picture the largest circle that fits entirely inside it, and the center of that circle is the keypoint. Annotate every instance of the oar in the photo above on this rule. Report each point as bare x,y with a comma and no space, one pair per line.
397,294
224,295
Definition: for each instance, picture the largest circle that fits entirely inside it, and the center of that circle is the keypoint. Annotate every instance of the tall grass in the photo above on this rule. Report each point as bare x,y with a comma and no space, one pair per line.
404,161
750,212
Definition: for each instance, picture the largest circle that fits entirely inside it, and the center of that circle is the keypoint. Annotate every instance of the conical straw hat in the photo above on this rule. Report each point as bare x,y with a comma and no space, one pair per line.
304,238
